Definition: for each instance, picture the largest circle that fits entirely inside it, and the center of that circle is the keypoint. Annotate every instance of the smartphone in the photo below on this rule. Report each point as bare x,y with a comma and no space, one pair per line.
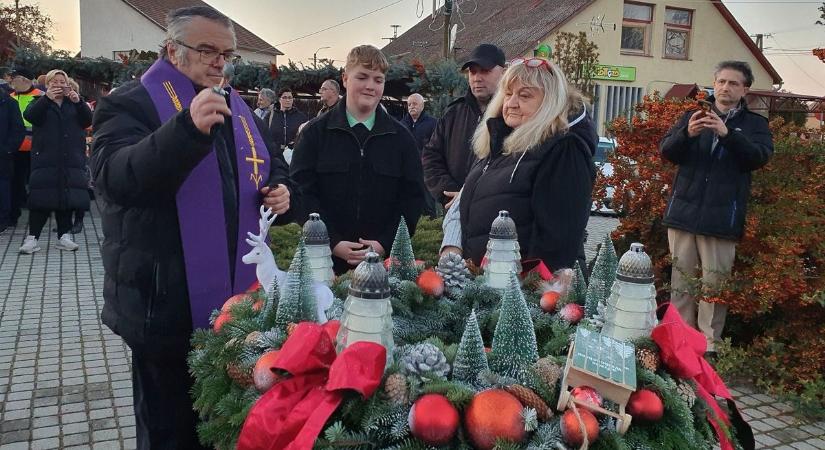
705,105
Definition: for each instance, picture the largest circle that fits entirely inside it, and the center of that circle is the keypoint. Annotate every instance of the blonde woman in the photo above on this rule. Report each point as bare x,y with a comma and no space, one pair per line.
57,182
534,147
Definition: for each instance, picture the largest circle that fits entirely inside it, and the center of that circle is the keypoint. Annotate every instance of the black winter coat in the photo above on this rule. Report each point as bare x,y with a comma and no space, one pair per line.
12,132
546,190
58,180
448,156
422,129
284,126
712,187
139,164
360,188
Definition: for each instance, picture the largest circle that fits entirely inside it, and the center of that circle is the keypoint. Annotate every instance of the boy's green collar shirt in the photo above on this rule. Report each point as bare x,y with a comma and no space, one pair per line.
369,123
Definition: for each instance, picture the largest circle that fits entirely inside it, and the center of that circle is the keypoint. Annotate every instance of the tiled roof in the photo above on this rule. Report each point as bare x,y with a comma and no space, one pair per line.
515,26
156,10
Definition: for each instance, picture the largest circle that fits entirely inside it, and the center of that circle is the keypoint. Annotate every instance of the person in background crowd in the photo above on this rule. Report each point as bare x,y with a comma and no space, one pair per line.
330,93
25,93
58,166
266,104
449,155
41,82
716,151
358,167
179,187
534,148
5,82
422,126
285,122
77,222
12,133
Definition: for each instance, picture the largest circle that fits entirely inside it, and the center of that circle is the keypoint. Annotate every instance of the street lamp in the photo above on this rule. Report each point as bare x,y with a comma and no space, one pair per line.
315,57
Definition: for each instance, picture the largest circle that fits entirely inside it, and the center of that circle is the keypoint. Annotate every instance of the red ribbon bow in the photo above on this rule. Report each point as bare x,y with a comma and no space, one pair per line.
538,266
682,349
292,413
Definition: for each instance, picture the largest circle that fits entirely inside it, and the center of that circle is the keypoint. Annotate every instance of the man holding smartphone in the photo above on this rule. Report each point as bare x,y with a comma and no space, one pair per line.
716,149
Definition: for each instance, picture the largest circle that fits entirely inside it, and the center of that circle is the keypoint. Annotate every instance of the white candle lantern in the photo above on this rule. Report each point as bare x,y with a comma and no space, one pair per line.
630,311
319,255
503,255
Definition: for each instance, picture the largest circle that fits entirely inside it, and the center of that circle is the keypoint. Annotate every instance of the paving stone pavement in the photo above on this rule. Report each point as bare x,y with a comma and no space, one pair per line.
65,379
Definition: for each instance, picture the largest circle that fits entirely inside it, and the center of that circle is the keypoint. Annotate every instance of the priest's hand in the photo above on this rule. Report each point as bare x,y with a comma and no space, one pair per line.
208,109
376,246
277,198
351,252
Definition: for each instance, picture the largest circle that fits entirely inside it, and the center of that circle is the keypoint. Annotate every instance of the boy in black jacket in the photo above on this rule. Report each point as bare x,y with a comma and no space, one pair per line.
358,167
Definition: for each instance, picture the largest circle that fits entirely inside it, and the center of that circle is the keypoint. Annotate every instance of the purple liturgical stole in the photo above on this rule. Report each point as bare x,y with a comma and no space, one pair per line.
200,198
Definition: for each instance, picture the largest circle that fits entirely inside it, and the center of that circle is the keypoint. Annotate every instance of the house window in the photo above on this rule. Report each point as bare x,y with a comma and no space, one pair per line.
678,23
636,24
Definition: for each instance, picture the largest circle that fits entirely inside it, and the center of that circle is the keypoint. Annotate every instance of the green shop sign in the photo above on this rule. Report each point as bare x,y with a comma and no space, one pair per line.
615,73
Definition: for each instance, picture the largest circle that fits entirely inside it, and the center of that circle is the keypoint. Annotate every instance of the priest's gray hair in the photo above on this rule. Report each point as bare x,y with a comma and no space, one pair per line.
177,21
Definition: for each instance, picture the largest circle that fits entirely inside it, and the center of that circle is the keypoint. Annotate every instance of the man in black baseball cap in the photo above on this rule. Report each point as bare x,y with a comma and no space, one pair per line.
448,156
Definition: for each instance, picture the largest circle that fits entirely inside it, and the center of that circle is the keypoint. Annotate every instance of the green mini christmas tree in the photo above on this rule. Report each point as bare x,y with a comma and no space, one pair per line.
578,288
268,315
601,280
402,259
470,358
297,300
514,340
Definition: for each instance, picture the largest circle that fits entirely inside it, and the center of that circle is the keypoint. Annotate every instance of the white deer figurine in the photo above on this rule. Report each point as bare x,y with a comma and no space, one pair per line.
267,270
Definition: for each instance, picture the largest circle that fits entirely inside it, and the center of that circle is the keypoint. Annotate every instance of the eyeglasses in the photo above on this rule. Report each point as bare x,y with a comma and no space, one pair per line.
210,55
530,62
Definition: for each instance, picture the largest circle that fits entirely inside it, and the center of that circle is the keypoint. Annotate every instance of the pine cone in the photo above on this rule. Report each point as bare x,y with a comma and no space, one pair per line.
396,388
548,370
239,375
649,359
528,398
685,390
425,359
290,328
253,338
453,270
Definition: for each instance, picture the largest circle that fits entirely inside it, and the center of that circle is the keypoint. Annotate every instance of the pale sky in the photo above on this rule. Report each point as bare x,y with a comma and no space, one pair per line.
279,21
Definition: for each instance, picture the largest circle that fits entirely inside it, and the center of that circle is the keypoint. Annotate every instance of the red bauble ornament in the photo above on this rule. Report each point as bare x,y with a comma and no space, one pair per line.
571,430
264,375
431,283
588,394
491,415
232,301
572,313
646,405
433,419
331,327
549,300
220,321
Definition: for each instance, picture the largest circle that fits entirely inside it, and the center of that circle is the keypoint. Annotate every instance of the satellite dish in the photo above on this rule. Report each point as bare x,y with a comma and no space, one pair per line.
453,33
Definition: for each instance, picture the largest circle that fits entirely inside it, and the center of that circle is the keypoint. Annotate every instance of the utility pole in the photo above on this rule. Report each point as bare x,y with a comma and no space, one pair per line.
448,11
759,42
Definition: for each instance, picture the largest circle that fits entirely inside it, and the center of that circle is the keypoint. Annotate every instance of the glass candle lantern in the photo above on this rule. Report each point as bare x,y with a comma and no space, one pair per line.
503,255
630,311
319,255
367,311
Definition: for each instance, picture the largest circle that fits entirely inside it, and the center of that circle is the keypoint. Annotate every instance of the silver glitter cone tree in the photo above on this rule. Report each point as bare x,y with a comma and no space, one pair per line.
601,281
319,255
470,359
402,259
514,340
297,302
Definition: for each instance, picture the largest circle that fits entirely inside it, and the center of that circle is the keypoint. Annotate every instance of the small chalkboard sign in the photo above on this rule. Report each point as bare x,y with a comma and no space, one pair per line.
605,364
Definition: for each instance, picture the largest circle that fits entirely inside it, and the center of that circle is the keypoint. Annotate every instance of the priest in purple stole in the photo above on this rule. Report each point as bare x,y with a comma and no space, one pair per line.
181,165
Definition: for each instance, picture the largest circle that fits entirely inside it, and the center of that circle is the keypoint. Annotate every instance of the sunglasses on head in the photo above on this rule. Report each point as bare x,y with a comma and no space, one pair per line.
530,62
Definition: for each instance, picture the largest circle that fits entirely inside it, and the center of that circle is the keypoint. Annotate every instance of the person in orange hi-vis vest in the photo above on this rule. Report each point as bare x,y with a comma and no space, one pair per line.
24,93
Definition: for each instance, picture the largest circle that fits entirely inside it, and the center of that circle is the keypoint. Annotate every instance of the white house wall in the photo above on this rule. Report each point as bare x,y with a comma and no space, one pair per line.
107,26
